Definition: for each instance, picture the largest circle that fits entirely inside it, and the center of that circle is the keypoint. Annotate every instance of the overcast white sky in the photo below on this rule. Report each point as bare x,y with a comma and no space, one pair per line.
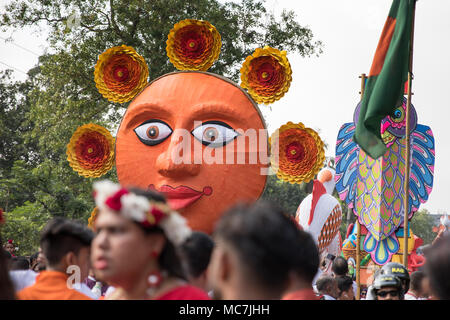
325,90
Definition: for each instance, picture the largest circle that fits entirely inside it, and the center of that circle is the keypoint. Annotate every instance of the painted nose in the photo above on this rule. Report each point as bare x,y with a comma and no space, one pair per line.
177,162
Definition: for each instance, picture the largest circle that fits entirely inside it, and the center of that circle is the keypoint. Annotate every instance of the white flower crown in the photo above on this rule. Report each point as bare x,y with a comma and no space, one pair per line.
111,196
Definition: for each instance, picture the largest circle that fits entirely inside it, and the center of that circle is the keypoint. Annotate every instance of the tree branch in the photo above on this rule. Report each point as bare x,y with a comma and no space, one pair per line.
113,22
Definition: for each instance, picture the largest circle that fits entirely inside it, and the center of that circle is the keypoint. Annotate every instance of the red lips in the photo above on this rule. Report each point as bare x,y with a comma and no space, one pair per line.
100,264
181,196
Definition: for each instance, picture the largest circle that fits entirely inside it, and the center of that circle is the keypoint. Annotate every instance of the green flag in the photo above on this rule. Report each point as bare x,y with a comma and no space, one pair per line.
385,83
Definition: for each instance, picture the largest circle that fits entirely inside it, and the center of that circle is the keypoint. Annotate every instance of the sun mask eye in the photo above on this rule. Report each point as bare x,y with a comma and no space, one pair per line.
399,115
214,134
153,132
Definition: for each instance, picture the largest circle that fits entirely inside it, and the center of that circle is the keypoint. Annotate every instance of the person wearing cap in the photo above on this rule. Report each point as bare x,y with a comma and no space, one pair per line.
135,249
398,270
391,268
388,287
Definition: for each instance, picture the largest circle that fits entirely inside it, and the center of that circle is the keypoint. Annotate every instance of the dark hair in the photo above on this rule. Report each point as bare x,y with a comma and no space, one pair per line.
344,284
437,267
34,256
33,260
19,263
268,243
196,253
61,236
6,286
324,283
307,257
339,266
416,280
169,259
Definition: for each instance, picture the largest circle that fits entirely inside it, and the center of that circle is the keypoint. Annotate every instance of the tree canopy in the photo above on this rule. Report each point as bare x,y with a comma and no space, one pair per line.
422,224
39,115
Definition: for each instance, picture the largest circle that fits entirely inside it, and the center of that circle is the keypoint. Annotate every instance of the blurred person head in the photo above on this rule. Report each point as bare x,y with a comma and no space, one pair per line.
345,286
398,270
196,253
339,267
437,268
426,290
66,243
305,263
41,261
327,285
6,284
256,250
19,263
37,261
416,283
33,260
388,287
137,236
9,246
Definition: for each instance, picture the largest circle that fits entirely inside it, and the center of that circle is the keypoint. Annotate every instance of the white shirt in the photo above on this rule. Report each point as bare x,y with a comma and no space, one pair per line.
370,295
355,288
84,289
411,296
109,290
22,278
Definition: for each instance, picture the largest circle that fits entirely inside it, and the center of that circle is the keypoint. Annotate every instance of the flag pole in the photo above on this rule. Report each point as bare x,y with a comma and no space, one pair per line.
358,226
408,147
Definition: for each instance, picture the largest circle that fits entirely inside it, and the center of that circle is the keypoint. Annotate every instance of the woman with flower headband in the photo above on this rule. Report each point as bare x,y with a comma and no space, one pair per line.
9,246
135,248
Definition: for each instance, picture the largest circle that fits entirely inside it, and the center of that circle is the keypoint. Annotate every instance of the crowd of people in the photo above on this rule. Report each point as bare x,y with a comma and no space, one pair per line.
141,249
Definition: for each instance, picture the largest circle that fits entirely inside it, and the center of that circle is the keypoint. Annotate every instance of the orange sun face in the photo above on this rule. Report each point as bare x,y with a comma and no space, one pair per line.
197,138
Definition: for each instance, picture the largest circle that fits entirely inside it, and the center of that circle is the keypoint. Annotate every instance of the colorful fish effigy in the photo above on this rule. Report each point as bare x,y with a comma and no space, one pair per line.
375,188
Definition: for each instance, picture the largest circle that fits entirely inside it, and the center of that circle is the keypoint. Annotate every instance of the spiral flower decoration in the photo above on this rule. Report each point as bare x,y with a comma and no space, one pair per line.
193,45
120,74
297,153
90,151
266,74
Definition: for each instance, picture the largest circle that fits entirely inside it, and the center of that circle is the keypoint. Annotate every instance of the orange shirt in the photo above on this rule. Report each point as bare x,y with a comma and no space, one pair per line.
51,285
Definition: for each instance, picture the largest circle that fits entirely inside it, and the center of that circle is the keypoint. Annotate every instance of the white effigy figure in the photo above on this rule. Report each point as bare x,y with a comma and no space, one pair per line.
320,214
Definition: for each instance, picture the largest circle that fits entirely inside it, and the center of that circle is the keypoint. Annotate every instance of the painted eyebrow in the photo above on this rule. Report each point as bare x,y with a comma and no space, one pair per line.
154,110
214,110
